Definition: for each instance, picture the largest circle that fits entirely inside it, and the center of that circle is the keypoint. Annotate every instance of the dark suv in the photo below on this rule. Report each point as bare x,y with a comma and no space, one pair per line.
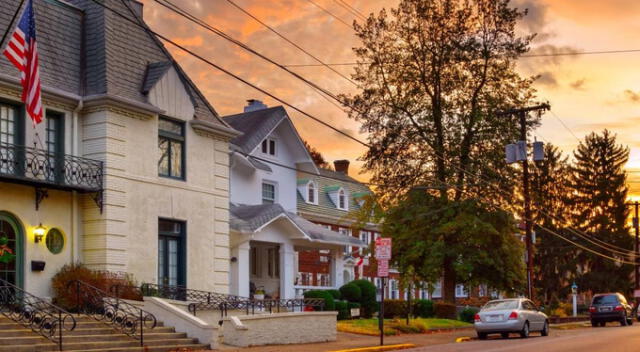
610,307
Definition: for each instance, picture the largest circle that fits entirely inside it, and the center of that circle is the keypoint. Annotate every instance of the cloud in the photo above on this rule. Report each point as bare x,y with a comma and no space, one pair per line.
579,84
536,20
632,96
547,78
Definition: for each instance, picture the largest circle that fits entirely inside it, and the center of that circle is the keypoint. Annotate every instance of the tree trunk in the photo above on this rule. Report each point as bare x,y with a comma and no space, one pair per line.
449,281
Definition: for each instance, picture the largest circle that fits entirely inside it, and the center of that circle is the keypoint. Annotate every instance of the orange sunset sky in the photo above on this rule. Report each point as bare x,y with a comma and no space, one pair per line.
586,92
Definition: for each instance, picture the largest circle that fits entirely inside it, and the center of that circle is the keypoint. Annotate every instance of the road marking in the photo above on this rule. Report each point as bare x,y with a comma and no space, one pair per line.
463,339
402,346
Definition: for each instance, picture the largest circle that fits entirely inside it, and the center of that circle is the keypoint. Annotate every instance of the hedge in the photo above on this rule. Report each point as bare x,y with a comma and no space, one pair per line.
445,310
368,302
395,308
343,310
423,308
329,303
468,314
336,294
351,292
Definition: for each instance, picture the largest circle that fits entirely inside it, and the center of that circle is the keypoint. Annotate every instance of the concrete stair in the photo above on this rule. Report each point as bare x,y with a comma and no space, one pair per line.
92,336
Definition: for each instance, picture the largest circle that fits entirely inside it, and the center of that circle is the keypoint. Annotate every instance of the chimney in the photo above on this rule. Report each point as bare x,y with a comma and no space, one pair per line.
254,105
341,166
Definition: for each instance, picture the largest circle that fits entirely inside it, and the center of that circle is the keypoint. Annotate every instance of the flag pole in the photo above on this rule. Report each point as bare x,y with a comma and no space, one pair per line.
13,20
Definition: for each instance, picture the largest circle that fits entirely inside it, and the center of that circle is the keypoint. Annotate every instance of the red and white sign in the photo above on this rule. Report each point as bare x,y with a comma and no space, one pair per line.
636,293
383,268
383,248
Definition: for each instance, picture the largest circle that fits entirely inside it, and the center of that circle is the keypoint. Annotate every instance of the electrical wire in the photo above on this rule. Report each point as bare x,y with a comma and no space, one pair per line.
350,9
330,14
321,63
565,126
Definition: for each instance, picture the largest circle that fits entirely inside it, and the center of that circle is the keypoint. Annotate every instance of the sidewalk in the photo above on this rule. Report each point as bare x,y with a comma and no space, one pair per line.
346,340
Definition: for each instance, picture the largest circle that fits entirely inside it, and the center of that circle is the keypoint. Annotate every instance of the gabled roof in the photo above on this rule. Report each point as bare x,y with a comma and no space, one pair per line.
255,126
251,218
155,72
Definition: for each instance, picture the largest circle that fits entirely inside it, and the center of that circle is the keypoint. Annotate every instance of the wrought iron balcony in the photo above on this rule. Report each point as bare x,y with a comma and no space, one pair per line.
44,170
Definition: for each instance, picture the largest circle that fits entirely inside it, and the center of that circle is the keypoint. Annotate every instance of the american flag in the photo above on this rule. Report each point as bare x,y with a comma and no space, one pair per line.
22,51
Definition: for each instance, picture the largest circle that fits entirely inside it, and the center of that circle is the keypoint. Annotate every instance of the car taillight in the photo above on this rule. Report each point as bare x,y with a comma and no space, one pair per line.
592,309
513,316
476,317
618,308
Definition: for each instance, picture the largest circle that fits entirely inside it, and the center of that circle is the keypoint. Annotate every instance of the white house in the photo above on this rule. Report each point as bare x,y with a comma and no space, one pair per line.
129,170
266,232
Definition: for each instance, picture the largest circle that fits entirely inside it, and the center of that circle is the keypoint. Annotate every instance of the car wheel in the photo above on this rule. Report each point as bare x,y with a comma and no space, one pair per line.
482,335
545,329
603,323
624,321
630,322
505,335
524,333
594,324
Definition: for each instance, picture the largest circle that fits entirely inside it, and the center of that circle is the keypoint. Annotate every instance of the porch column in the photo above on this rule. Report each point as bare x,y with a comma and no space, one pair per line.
240,270
337,268
287,267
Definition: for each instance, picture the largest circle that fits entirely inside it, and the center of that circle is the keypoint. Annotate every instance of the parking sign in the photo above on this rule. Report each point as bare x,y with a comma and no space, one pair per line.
383,248
383,268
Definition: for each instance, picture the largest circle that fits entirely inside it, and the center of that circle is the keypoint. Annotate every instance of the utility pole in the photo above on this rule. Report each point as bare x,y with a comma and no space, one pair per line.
522,114
636,225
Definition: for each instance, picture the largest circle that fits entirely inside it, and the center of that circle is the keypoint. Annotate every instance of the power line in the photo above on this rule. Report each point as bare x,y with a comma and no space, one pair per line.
350,9
565,126
175,8
330,14
320,62
576,53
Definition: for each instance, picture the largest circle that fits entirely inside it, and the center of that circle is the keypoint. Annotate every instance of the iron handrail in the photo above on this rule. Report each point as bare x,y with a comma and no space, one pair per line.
43,317
113,311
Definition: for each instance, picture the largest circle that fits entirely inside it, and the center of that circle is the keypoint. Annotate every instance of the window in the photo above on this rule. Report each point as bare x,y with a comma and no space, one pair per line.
342,200
273,264
269,147
345,232
394,289
311,193
55,241
171,255
10,124
171,142
437,290
55,144
254,262
268,193
460,291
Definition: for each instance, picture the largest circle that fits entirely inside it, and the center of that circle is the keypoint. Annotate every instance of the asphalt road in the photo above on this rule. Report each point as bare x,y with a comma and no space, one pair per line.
612,338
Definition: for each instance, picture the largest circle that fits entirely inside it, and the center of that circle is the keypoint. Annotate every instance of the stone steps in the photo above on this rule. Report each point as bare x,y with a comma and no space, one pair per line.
92,335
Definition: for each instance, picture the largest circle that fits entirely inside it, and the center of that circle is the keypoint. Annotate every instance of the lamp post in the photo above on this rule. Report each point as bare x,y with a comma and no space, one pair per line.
574,290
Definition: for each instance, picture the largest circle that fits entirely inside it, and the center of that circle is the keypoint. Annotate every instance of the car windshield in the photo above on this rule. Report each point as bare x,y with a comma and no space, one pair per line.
499,305
608,299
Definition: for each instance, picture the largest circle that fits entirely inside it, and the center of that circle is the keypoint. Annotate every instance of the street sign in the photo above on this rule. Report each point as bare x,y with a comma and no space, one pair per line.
383,268
636,293
383,248
355,312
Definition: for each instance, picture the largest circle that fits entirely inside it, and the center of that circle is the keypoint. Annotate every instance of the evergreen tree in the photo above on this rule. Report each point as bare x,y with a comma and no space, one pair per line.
599,194
555,263
317,157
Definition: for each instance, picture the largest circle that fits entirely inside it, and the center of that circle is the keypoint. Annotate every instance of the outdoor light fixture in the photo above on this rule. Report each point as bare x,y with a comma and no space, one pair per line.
39,233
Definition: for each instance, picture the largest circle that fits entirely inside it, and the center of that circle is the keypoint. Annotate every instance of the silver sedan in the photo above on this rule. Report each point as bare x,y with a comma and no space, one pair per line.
505,316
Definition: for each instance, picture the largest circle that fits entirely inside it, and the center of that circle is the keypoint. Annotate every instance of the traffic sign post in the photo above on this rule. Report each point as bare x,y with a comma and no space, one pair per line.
383,255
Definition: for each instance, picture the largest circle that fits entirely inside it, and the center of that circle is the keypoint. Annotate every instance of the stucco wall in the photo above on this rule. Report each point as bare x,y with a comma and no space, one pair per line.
279,329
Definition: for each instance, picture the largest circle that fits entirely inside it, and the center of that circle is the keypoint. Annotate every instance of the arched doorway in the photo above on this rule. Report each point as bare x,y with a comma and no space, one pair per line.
346,276
11,242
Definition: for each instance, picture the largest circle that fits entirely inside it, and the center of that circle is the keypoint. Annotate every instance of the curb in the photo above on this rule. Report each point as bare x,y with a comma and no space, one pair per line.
402,346
463,339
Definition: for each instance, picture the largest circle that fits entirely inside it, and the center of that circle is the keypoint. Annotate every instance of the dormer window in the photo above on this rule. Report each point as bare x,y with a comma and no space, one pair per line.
342,200
311,193
269,146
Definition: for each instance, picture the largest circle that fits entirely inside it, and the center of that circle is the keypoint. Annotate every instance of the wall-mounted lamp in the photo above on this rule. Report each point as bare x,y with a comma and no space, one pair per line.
38,233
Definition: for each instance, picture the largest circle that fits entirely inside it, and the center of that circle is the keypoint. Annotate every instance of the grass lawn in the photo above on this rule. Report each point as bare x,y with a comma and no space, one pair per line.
398,326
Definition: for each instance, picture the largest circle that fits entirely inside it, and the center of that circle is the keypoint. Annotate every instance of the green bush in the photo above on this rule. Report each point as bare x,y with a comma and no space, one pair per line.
336,294
343,310
329,303
351,292
368,304
468,314
445,310
423,308
394,308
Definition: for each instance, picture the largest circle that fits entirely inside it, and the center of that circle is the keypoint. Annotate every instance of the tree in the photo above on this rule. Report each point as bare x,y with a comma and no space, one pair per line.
599,194
317,157
555,259
432,75
428,231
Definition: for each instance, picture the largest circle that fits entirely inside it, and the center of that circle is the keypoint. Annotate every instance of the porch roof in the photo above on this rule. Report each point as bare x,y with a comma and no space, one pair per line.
252,218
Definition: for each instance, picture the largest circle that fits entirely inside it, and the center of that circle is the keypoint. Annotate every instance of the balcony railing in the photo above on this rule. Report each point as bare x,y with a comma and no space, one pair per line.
40,168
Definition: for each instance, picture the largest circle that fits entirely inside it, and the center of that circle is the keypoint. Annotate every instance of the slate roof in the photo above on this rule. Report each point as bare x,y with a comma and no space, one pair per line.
329,181
255,126
155,72
116,56
249,218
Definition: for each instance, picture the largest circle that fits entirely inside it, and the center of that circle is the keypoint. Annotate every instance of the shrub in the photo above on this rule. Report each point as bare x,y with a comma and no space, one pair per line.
423,308
414,327
474,301
468,314
336,294
445,310
394,308
351,292
104,280
343,310
329,303
368,302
